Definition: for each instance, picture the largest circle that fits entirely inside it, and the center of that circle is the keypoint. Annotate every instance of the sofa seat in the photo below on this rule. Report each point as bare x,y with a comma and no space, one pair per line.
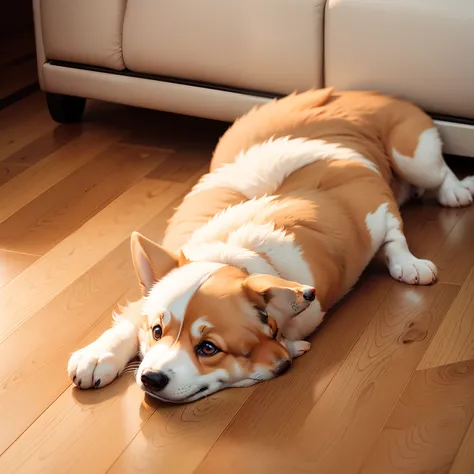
418,49
273,46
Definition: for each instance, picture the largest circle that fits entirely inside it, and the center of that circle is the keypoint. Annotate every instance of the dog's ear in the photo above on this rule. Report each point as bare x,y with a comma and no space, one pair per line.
150,260
283,299
272,356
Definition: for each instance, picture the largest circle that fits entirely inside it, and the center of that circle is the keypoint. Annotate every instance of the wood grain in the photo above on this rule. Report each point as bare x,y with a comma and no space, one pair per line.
464,460
387,386
22,123
428,424
9,171
454,340
363,391
46,144
71,202
31,183
12,264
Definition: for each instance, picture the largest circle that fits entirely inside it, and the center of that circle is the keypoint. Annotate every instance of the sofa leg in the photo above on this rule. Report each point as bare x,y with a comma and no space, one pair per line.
65,108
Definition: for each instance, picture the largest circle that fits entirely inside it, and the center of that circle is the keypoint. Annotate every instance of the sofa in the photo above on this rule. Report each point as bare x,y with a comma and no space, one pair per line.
219,58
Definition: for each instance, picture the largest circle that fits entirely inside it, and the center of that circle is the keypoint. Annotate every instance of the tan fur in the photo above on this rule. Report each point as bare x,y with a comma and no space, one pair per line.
244,339
322,227
367,122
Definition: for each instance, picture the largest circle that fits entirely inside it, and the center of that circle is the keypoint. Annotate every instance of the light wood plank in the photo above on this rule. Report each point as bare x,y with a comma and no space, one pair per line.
80,251
9,171
427,426
43,146
24,188
464,462
12,264
361,394
81,432
454,340
22,123
40,349
73,319
443,236
455,258
63,208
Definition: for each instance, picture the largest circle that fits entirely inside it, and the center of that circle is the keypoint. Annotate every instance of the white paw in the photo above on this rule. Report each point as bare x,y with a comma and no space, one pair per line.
297,348
468,183
93,366
413,271
454,193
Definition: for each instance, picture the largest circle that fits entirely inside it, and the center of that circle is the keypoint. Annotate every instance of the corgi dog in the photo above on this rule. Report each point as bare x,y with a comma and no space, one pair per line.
302,193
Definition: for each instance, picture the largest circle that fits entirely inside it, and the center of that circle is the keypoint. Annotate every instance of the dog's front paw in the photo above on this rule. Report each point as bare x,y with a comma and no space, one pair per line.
93,366
297,348
413,271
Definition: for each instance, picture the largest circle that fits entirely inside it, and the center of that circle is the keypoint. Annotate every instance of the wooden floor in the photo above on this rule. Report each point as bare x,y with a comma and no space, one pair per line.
388,386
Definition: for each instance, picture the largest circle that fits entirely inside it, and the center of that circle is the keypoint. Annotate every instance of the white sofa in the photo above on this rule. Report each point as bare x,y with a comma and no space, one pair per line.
218,58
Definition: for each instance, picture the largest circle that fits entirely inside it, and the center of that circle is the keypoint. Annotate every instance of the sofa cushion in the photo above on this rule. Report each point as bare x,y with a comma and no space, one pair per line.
263,45
84,31
418,49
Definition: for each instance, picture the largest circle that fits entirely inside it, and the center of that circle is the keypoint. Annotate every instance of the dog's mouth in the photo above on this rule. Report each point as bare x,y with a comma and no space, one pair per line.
188,398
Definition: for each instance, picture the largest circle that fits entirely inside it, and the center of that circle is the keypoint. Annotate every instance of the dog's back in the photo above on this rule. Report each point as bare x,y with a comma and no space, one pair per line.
367,123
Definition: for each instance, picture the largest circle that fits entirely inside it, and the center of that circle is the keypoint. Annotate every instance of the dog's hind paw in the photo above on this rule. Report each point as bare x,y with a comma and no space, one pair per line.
455,193
93,367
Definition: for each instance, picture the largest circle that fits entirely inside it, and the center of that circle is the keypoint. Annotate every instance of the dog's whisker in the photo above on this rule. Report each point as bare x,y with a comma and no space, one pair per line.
131,369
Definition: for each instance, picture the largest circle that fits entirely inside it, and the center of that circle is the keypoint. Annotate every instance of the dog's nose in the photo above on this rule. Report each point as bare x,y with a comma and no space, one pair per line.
154,380
282,367
309,293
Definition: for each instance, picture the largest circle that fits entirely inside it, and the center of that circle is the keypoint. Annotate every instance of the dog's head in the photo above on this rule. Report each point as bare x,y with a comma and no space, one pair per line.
208,326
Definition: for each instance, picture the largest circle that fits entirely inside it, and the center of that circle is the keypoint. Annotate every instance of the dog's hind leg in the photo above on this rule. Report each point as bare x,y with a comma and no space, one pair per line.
386,228
415,149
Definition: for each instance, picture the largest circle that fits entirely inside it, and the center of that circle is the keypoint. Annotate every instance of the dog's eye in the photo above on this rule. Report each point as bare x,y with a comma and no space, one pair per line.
207,349
262,315
157,332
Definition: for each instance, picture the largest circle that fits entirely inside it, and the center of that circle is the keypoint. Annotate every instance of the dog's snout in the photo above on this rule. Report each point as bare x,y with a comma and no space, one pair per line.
309,293
154,380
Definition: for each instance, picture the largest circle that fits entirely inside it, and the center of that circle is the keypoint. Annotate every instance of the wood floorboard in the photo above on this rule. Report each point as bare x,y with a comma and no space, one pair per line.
388,386
9,171
31,183
46,144
428,424
454,340
71,202
442,235
12,264
23,123
362,393
464,460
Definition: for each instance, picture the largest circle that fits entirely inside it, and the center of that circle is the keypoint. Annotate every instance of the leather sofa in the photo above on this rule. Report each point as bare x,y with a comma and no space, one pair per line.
218,58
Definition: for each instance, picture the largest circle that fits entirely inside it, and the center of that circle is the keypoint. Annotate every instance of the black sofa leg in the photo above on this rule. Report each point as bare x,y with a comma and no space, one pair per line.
65,108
